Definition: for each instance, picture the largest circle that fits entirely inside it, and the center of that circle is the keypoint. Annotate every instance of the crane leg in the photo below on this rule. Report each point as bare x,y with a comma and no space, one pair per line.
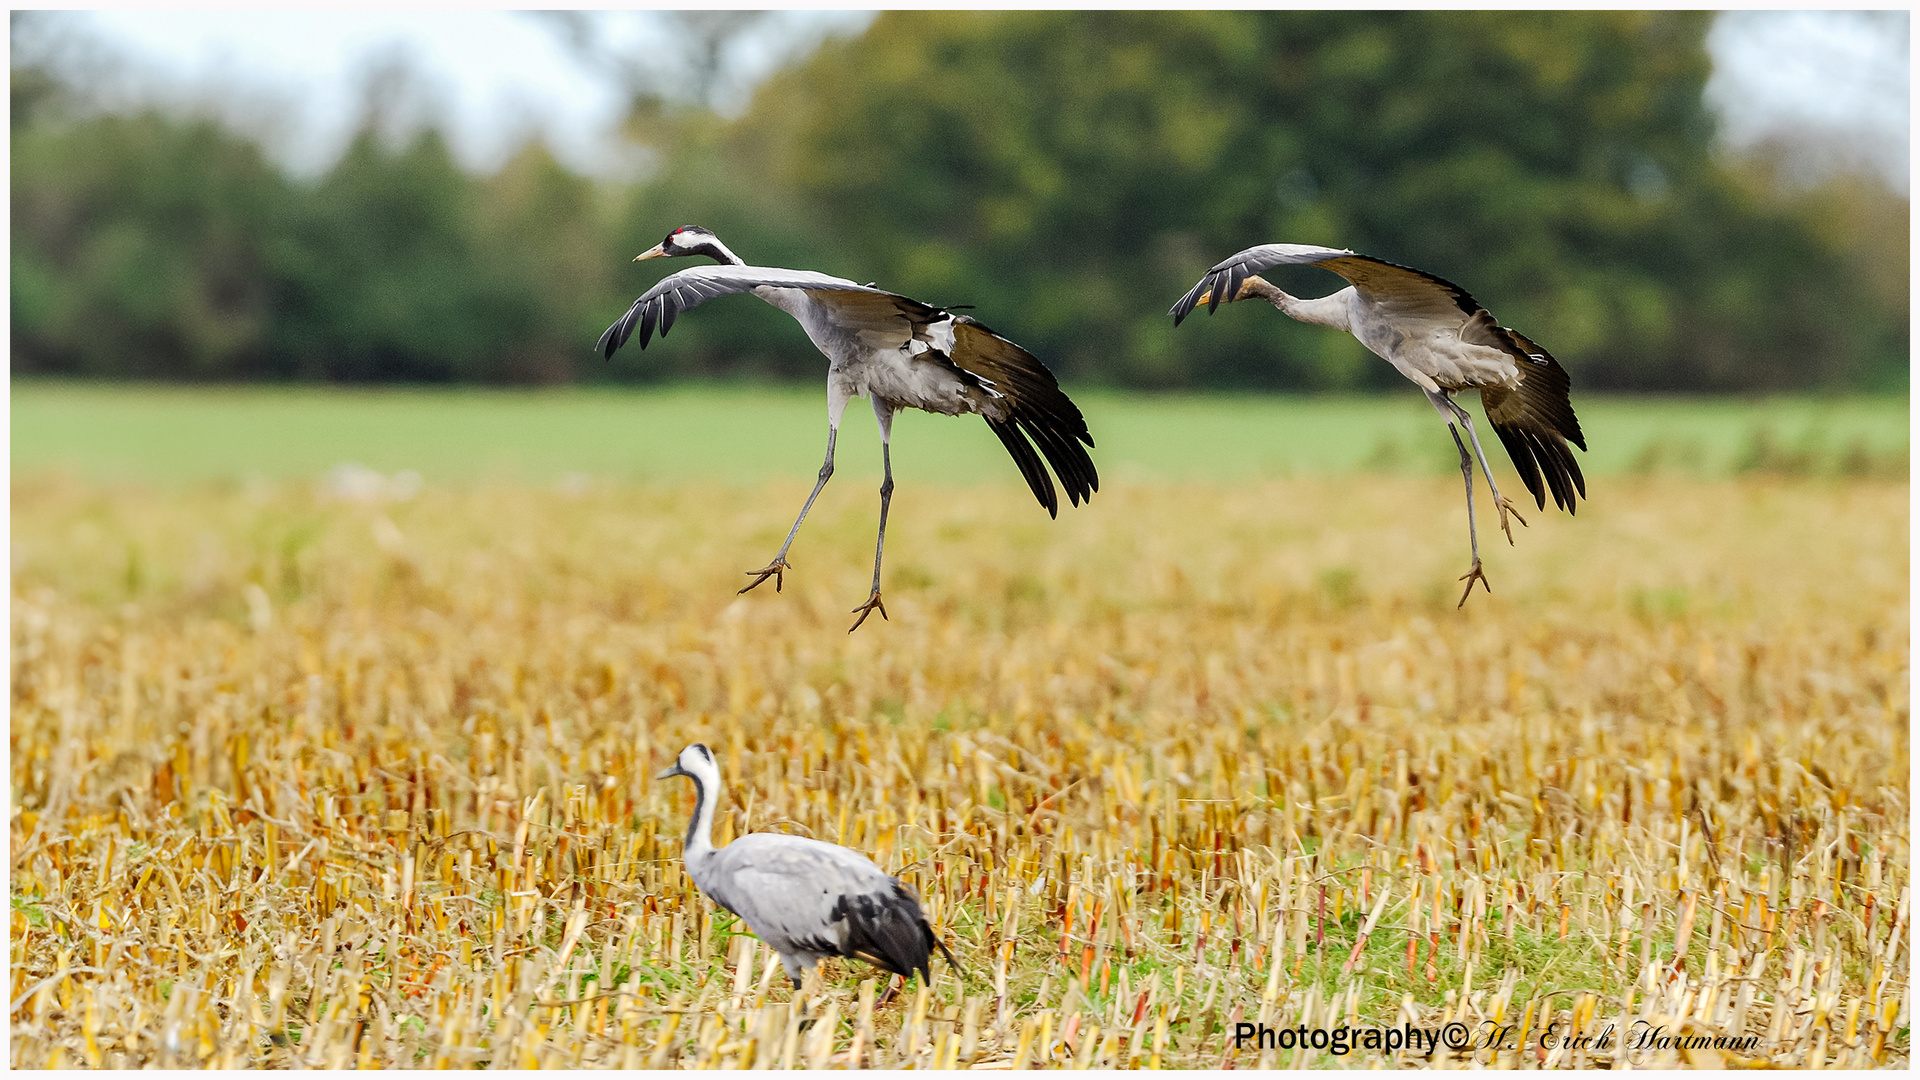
1500,502
880,545
1473,537
779,566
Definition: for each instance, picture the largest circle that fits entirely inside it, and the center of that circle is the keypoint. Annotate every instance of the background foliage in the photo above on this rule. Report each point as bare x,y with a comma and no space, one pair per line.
1068,173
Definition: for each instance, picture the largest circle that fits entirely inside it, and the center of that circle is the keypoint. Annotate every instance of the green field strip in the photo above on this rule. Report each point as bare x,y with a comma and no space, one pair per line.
174,434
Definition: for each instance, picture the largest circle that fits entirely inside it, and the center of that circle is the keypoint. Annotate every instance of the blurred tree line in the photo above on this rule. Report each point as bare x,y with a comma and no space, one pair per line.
1069,173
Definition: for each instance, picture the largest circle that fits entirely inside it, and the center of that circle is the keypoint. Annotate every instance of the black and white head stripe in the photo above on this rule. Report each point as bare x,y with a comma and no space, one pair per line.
694,240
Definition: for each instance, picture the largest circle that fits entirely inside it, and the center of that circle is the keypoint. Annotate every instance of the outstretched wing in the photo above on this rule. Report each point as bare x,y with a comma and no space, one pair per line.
1036,408
1404,294
660,305
1536,421
1224,280
1407,293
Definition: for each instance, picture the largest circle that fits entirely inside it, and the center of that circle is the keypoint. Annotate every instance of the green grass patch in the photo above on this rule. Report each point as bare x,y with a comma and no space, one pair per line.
174,434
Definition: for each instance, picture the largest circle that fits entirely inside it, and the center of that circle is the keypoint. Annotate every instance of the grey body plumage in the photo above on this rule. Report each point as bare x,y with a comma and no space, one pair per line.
805,898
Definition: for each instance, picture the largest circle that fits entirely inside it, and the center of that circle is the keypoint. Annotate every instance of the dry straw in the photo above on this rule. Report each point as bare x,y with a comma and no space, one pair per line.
306,784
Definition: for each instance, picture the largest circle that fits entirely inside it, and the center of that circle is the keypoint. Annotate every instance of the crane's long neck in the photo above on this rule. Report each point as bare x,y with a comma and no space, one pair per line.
700,829
720,253
1334,311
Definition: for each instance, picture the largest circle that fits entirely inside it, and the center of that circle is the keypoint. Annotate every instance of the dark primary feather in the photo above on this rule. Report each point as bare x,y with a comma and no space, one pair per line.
617,334
1535,422
1037,409
889,931
1029,464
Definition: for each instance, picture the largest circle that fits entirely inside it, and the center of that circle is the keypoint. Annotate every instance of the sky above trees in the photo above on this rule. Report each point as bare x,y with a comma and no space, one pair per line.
1834,82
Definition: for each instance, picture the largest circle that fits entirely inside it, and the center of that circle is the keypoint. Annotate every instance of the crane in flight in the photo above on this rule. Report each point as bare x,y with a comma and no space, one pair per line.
897,351
1432,332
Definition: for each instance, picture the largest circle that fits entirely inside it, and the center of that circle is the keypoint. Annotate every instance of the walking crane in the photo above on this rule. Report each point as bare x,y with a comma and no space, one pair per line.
806,898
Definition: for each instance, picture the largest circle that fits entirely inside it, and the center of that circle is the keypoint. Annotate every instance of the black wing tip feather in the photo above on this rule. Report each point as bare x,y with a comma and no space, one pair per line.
1059,429
1038,416
1184,306
1545,465
890,931
1523,462
1538,424
945,952
616,335
1228,286
1028,463
1070,462
641,314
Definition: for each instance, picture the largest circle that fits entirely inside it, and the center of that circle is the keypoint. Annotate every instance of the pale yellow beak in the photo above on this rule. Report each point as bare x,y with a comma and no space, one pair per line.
657,251
1246,290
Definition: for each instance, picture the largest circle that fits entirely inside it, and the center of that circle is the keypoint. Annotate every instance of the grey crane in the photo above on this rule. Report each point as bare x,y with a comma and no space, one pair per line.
899,352
1432,332
806,898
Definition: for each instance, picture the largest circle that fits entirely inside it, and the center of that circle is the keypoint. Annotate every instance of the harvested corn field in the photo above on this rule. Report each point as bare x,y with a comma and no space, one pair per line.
312,779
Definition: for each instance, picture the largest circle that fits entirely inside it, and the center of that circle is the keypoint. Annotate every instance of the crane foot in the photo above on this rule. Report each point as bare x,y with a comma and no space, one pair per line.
873,604
1506,507
775,569
1470,577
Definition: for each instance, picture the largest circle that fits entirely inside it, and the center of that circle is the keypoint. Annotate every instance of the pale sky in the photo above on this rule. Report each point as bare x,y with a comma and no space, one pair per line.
497,76
1841,73
494,75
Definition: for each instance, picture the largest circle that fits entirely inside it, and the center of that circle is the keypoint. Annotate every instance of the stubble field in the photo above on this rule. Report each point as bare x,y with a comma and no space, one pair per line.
335,774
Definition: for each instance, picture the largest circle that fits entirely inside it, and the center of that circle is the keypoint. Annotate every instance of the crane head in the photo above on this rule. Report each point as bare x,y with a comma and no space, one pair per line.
1255,285
689,240
695,761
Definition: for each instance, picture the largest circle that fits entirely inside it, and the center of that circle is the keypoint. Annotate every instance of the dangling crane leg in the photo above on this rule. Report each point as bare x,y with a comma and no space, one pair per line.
883,413
1500,502
1473,538
779,565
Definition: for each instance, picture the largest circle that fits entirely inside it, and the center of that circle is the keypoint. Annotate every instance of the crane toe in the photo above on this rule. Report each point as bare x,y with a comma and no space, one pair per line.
1505,505
1470,577
873,604
775,570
